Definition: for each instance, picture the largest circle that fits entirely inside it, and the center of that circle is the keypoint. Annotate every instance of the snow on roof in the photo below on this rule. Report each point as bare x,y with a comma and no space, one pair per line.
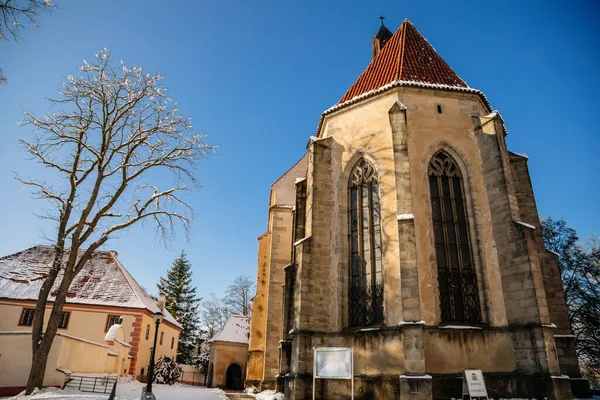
103,281
236,330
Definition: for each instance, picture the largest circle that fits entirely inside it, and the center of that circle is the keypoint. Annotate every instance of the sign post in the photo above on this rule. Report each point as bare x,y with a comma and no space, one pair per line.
333,363
473,384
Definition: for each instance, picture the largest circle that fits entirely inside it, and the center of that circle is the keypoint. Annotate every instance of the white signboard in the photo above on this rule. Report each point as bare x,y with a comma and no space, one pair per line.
333,363
473,383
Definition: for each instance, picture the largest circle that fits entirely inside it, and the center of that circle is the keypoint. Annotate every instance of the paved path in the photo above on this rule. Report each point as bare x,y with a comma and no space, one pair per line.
238,395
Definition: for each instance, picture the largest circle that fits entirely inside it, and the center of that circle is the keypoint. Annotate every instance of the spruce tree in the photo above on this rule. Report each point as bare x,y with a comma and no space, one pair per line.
182,303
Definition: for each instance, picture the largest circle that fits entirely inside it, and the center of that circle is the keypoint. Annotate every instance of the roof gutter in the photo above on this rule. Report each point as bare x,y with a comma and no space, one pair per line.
399,83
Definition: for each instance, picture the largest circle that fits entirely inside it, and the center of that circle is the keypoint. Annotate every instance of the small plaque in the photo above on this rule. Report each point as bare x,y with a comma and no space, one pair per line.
473,383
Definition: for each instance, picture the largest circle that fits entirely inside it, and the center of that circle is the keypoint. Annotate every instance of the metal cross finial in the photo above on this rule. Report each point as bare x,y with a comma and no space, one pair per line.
381,17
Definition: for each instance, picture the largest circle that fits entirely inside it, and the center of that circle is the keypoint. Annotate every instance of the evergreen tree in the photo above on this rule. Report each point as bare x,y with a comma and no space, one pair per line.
182,303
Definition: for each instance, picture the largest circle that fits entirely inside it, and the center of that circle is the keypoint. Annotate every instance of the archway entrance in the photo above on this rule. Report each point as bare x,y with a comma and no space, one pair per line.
209,383
233,377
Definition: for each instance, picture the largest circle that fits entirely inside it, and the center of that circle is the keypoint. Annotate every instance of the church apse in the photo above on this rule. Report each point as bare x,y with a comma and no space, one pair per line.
408,235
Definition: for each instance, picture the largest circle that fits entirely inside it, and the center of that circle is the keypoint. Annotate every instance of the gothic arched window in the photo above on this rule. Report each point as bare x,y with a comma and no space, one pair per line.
457,279
366,282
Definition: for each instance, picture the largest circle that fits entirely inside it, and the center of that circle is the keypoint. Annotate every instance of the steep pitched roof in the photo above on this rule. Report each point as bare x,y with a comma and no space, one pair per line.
236,330
103,281
406,57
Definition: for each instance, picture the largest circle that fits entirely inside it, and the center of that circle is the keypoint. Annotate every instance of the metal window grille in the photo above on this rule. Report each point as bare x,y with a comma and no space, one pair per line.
300,213
27,317
366,282
457,279
110,321
63,322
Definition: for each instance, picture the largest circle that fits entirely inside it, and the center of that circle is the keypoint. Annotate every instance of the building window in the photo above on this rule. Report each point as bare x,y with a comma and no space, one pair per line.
457,279
112,320
162,335
366,282
63,321
439,109
300,213
172,342
147,331
27,317
142,371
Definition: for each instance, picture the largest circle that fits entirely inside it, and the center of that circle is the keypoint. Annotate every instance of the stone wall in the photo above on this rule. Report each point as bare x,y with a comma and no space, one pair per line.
398,132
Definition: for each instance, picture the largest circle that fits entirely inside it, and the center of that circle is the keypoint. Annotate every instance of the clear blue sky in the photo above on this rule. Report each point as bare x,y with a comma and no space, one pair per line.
256,75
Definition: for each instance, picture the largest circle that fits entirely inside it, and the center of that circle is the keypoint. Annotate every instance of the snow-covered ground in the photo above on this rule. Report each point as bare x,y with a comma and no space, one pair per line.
131,391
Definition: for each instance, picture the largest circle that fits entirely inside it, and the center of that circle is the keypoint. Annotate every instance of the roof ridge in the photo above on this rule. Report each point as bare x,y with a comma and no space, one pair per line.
402,48
407,56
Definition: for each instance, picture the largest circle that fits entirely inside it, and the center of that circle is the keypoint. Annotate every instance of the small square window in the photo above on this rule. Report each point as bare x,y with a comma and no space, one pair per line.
63,322
27,317
111,320
440,110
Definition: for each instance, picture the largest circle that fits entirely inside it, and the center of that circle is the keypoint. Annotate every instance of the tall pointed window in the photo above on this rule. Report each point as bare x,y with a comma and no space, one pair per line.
366,282
457,279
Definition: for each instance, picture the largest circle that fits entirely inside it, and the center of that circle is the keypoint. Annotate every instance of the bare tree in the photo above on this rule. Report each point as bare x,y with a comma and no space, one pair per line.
238,295
115,129
580,273
214,314
14,14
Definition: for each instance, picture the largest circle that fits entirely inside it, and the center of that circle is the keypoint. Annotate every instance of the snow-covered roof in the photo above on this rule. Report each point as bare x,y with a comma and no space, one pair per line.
103,281
236,330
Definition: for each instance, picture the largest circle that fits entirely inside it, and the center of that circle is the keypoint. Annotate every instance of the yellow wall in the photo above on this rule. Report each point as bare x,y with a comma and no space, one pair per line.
143,355
79,356
222,355
478,349
89,322
66,353
364,130
86,322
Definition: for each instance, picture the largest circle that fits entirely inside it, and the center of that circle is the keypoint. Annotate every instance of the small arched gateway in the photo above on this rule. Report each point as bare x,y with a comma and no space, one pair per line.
233,377
229,354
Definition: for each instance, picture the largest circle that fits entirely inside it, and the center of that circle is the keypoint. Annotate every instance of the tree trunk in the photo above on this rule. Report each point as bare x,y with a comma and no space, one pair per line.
41,348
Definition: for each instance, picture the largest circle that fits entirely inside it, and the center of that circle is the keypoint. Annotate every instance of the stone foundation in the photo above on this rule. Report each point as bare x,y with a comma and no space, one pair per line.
499,385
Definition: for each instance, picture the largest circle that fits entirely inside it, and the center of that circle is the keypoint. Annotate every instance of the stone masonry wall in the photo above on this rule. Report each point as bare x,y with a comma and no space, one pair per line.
281,242
256,348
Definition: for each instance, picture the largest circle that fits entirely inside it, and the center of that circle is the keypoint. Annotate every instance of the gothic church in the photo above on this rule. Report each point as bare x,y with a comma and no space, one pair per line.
410,233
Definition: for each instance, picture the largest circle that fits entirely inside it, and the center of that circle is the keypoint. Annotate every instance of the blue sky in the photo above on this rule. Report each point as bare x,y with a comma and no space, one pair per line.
256,75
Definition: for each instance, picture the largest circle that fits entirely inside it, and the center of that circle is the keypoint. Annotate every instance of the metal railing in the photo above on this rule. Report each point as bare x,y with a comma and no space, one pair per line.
93,384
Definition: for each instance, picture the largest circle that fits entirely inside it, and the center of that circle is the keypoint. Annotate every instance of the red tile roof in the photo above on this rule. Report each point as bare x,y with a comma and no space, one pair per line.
408,57
103,281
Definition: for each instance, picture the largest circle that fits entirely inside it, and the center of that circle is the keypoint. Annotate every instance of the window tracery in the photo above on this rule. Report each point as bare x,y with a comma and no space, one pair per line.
366,281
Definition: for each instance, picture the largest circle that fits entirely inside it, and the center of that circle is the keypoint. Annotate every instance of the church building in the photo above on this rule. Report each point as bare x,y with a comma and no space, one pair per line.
409,233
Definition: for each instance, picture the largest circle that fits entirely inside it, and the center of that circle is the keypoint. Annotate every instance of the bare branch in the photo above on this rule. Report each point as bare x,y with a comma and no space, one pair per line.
15,13
114,131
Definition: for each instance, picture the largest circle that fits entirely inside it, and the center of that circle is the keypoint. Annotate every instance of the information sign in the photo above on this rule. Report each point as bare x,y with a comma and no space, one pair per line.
333,363
473,384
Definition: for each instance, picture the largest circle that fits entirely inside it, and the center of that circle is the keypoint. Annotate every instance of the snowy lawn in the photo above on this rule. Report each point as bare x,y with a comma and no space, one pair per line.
132,391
